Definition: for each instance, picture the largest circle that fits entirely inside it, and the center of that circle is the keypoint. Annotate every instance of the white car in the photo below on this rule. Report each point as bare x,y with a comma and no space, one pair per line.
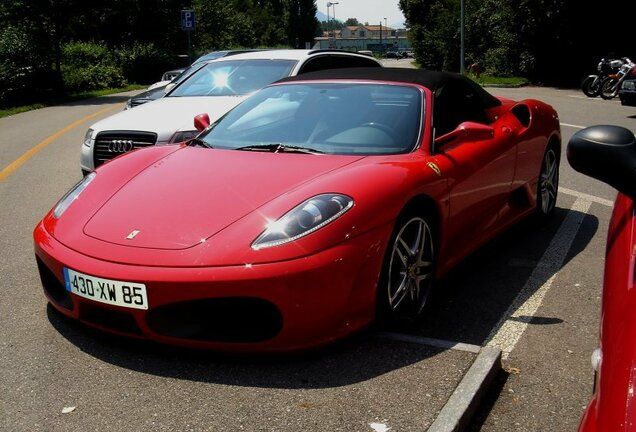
166,78
213,89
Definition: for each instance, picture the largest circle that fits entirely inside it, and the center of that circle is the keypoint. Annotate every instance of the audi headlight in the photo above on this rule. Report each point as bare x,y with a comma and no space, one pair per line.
72,195
88,138
182,136
304,219
629,85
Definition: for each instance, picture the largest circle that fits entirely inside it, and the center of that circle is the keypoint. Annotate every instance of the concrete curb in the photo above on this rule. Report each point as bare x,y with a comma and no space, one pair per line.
456,414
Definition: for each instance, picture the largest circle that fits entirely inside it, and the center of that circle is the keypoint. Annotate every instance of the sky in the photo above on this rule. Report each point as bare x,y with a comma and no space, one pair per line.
371,11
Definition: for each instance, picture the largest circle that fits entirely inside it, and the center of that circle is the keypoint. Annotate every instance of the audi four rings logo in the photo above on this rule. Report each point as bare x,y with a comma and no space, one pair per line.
120,146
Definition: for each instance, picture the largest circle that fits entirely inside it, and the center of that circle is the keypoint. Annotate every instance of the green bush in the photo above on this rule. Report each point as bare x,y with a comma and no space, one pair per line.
497,62
143,63
24,67
92,77
89,66
83,54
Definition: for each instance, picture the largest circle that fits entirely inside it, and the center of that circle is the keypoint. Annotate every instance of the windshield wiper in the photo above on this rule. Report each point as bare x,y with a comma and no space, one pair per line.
279,148
198,142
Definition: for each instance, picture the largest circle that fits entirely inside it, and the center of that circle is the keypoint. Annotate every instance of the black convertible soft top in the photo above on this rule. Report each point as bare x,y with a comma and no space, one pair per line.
433,80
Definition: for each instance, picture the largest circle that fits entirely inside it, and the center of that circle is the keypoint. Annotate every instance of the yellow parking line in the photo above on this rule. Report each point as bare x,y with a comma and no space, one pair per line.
13,166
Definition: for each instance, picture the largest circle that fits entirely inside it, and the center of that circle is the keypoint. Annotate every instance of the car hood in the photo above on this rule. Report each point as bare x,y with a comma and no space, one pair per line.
167,115
192,194
155,93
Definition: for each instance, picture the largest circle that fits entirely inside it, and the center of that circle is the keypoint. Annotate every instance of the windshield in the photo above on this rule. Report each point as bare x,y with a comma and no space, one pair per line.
210,56
332,118
186,73
233,77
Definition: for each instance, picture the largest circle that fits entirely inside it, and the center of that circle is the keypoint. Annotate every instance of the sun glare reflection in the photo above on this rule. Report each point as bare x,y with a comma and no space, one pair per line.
221,79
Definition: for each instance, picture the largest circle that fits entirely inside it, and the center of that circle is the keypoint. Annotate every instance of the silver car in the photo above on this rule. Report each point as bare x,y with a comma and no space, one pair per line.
214,89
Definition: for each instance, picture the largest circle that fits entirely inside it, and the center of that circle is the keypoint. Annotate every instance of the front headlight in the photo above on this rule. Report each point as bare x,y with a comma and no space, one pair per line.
128,104
629,85
304,219
182,136
88,138
72,195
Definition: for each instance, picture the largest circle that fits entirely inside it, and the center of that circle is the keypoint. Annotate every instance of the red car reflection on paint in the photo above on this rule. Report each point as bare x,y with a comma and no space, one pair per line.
608,153
315,206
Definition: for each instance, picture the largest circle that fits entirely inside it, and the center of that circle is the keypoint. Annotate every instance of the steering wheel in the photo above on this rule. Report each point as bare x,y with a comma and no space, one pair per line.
380,126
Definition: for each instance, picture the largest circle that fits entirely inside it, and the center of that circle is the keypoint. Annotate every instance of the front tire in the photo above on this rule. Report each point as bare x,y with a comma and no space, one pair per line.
408,272
591,86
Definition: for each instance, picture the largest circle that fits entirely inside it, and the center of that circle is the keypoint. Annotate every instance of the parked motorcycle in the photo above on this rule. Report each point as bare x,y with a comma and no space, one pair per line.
612,83
591,85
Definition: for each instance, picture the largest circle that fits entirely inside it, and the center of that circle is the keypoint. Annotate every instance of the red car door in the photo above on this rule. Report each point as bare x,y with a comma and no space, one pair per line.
480,177
480,171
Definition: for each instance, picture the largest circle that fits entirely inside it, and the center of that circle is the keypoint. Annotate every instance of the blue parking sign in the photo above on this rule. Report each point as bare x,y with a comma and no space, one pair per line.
187,20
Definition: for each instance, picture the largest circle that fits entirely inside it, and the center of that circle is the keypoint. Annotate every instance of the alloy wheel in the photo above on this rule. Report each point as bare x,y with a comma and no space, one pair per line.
549,181
411,268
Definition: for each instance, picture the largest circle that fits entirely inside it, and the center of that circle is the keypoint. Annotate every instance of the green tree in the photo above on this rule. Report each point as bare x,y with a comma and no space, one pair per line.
239,23
25,50
492,39
533,38
434,32
302,24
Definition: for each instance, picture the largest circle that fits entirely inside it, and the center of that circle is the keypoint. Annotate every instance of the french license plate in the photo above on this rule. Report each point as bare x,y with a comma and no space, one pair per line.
114,292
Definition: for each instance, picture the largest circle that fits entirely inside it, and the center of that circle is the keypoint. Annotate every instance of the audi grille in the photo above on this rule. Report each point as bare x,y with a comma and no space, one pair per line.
113,143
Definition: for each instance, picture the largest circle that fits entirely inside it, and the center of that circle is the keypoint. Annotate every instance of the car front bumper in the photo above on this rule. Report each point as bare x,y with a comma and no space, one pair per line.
279,306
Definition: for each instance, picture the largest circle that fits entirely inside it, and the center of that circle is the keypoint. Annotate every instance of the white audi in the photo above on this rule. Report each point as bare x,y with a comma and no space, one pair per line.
214,89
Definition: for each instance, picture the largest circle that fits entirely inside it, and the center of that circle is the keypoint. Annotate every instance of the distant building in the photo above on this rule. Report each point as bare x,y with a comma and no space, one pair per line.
376,38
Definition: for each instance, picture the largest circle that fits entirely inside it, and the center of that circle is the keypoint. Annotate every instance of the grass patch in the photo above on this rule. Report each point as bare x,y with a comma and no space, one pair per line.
490,80
72,97
486,80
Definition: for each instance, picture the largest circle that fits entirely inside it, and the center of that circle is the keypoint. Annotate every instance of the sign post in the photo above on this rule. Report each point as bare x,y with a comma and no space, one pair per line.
188,24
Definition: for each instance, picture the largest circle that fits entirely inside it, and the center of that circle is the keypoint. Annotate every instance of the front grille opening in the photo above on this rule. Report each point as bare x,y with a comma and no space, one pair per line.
230,319
110,319
53,287
113,143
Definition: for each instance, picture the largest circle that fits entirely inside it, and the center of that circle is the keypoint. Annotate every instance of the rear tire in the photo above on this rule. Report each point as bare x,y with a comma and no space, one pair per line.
609,88
548,186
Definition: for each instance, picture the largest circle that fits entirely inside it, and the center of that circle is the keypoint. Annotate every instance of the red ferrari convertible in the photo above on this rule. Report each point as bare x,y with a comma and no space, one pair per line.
608,153
322,202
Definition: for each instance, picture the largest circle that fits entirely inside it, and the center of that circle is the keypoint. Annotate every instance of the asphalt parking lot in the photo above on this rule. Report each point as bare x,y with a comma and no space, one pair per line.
532,293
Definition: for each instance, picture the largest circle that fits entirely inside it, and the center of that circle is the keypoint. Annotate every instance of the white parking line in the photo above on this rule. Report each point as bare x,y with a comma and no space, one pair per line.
591,99
437,343
514,321
573,126
586,197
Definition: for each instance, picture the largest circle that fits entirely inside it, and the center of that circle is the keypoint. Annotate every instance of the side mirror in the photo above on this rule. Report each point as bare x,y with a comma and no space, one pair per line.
168,87
201,122
606,153
467,131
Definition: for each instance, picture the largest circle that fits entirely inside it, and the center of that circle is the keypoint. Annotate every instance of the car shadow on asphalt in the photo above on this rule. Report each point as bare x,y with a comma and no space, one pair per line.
470,300
356,359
